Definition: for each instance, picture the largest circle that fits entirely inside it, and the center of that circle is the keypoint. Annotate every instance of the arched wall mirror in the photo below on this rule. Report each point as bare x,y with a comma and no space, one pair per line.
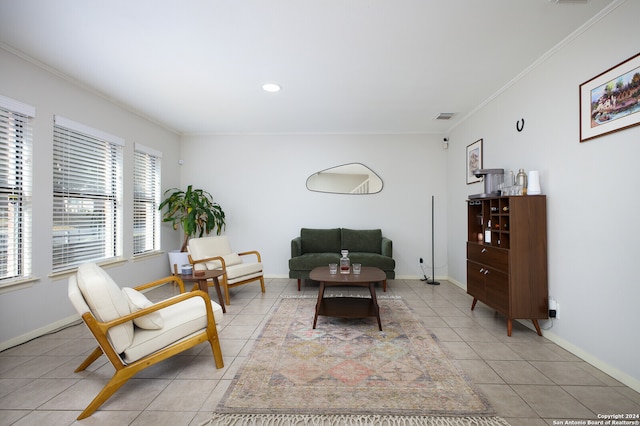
352,178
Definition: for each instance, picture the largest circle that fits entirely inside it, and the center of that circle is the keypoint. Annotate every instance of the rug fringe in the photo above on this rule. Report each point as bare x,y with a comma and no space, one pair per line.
220,419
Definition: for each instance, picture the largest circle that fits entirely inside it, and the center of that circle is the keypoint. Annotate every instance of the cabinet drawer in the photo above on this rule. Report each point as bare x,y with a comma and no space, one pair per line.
497,290
475,280
490,256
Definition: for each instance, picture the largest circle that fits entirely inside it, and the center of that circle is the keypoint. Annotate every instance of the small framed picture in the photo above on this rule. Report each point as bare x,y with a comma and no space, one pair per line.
474,161
610,101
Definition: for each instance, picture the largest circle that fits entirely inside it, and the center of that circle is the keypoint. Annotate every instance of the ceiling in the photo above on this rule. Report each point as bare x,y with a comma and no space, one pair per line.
345,66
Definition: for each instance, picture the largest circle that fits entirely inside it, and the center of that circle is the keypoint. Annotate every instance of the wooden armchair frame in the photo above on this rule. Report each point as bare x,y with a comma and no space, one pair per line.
125,371
223,280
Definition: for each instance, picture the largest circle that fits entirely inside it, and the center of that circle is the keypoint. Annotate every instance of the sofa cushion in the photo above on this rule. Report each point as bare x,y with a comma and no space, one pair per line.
385,263
107,302
180,320
138,301
362,240
308,261
320,240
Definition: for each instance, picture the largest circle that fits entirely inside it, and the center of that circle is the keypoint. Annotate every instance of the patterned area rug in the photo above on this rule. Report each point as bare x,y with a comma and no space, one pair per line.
348,367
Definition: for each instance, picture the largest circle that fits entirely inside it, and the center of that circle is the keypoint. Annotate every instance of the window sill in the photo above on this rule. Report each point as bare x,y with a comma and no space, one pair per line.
17,284
71,271
145,256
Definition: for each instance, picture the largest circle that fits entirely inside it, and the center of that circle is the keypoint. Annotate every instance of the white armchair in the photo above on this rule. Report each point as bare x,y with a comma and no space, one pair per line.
134,333
215,253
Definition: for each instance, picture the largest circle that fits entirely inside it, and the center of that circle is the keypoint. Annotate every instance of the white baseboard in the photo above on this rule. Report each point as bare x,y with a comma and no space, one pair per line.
49,328
620,376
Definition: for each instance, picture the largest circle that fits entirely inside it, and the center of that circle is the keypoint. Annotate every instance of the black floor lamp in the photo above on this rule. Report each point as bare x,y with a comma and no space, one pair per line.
433,281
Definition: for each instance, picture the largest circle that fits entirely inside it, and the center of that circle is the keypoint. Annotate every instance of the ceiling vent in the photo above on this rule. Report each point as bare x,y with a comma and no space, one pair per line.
444,116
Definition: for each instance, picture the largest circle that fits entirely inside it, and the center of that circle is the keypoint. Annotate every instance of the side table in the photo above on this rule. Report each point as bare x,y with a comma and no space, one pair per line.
204,285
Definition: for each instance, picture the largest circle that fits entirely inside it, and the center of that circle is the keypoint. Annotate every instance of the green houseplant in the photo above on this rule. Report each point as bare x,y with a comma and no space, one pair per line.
194,211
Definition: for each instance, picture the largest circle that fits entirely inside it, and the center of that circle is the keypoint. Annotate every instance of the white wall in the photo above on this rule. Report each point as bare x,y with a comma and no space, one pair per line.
259,180
43,304
593,224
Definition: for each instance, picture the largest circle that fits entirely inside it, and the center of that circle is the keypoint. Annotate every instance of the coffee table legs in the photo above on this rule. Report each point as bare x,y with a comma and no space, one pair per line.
372,290
318,303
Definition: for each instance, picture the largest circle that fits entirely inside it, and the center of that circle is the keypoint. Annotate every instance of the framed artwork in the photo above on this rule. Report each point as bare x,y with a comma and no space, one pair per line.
474,161
610,102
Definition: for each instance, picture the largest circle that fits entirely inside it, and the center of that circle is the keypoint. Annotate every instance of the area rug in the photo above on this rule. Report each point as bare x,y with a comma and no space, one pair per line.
348,372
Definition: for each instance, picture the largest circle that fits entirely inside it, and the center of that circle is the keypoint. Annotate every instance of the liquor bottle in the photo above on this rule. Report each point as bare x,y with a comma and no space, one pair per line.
487,234
345,262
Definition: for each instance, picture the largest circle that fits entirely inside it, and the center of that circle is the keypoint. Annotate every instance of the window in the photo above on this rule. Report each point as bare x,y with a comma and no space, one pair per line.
146,198
87,194
15,189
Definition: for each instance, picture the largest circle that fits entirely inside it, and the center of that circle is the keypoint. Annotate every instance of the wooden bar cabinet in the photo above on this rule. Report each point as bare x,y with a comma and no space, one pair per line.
507,256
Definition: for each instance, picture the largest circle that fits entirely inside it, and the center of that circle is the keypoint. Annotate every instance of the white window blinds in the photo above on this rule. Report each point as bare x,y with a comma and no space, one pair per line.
15,190
146,198
87,194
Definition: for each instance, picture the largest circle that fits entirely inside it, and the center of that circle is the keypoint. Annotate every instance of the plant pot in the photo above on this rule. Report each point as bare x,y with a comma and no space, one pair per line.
179,258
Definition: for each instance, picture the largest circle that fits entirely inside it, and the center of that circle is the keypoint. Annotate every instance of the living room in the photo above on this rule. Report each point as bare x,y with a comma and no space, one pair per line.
259,179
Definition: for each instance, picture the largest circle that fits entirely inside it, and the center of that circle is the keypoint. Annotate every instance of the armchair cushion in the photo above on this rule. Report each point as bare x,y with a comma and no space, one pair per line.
107,302
229,260
243,270
138,301
180,320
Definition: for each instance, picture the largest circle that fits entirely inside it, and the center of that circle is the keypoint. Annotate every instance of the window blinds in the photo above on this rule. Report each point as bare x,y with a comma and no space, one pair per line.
146,198
87,194
15,189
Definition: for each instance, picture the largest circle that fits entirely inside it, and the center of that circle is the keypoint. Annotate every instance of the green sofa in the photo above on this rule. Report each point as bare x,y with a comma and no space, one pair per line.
319,247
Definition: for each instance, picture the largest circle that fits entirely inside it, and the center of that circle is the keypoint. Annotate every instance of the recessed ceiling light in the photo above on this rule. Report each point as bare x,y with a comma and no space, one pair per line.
271,87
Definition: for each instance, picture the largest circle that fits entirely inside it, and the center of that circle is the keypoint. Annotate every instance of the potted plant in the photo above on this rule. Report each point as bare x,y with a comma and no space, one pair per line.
194,211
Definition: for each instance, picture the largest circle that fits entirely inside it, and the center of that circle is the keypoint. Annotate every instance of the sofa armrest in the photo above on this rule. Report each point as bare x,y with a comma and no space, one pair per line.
387,247
296,247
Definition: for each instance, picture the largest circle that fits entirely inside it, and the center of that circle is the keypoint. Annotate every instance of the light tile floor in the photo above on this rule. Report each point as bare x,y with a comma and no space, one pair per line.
528,379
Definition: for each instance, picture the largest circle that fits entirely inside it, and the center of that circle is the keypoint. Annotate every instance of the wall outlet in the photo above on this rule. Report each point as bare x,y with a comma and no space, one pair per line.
553,308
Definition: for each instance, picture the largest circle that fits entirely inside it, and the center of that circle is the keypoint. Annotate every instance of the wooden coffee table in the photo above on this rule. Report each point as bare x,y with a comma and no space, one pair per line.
348,307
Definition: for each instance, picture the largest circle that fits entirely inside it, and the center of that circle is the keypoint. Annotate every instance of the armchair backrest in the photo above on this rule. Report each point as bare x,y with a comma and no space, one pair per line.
209,247
77,300
92,289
